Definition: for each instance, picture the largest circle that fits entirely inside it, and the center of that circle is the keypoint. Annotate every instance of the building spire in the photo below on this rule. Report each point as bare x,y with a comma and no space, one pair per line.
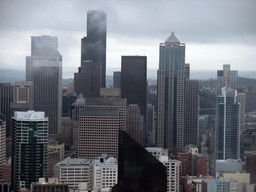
172,39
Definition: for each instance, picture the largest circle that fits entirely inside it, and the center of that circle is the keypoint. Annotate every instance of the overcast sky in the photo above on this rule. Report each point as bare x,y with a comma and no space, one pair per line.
215,32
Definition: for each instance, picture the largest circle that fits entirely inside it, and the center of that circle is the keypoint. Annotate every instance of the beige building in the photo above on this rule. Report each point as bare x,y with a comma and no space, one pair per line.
133,123
74,171
52,160
67,132
60,148
240,177
98,125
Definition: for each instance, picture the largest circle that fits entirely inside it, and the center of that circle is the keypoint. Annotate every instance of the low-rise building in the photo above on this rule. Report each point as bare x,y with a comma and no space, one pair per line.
60,148
53,184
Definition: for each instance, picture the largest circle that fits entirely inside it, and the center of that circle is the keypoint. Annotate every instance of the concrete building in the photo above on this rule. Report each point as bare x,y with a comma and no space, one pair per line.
6,97
117,79
176,96
104,173
52,185
52,160
134,126
151,126
217,185
7,170
67,132
93,47
240,177
110,93
226,78
60,148
99,122
229,165
88,79
192,183
250,167
29,154
157,151
173,169
73,171
241,95
191,134
227,126
44,68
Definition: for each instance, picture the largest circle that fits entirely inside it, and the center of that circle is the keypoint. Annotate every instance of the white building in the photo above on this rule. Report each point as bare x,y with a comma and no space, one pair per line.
2,142
172,166
73,171
104,173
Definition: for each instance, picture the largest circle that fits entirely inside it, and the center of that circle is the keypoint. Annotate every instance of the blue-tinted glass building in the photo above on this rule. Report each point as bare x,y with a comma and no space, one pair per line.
227,126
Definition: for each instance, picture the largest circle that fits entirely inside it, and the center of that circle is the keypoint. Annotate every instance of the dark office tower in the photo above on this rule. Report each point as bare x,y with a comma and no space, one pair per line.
94,45
134,81
138,170
6,97
227,127
67,102
29,150
191,132
226,78
87,80
44,68
171,81
117,79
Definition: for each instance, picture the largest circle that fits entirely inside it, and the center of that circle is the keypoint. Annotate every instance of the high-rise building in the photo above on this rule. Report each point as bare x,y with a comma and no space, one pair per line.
242,100
151,126
226,78
134,81
98,125
250,167
6,97
227,126
191,133
177,98
93,47
29,154
88,79
134,84
2,142
44,68
67,101
133,123
117,79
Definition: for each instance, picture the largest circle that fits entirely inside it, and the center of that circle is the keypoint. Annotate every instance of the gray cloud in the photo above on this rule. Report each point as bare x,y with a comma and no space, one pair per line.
194,21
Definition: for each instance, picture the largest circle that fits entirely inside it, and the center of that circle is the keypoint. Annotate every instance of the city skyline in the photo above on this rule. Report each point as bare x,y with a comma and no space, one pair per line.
215,36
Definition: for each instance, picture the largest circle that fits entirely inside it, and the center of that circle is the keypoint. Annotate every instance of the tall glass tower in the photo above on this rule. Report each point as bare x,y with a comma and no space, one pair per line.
227,126
44,68
93,47
171,79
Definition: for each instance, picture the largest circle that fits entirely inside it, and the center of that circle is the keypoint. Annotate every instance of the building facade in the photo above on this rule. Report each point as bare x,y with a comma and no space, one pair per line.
93,47
117,79
29,154
44,68
226,78
227,127
2,143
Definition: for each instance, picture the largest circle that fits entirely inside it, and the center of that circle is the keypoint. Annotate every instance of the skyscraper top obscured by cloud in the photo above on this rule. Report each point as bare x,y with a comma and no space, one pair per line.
93,47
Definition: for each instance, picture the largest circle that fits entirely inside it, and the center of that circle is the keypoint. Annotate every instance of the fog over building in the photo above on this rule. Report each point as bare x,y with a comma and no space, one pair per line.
93,46
44,68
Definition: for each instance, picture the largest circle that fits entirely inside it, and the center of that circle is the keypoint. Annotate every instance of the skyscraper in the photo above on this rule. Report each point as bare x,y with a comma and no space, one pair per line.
171,98
93,47
117,79
88,79
226,78
44,68
29,153
6,97
227,126
177,118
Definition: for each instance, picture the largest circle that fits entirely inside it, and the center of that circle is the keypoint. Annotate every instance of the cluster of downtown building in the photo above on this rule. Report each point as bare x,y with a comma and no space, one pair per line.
104,131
